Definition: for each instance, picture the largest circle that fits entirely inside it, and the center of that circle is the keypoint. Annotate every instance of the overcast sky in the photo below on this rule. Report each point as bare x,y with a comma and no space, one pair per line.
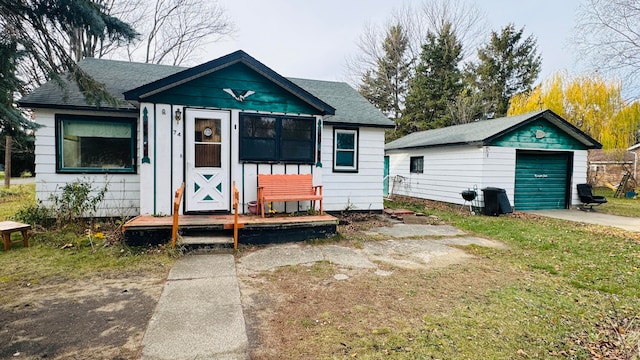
313,38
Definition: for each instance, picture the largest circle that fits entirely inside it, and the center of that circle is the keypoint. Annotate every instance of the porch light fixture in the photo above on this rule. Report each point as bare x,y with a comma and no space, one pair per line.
178,115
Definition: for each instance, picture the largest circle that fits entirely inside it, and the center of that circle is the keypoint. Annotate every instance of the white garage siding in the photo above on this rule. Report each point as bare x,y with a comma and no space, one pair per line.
498,170
579,174
361,191
450,170
122,198
447,172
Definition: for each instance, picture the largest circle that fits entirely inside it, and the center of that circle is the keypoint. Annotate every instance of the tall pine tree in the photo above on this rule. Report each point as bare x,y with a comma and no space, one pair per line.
437,82
386,86
33,29
508,65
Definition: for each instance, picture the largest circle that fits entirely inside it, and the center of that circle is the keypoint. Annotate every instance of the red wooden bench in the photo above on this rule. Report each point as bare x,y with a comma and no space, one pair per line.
289,187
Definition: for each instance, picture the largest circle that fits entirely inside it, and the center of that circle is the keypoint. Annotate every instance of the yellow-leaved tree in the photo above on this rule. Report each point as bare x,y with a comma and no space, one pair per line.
592,104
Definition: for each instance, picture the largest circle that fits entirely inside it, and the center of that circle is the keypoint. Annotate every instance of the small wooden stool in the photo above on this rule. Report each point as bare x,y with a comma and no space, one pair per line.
8,227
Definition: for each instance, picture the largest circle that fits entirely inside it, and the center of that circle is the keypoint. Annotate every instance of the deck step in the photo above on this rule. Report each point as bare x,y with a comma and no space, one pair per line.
208,244
207,240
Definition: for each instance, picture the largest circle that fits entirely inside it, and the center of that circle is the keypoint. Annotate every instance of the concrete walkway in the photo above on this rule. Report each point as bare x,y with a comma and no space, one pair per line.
592,217
199,314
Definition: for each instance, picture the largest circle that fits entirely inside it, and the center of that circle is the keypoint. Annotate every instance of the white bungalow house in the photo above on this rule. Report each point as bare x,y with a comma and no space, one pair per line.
226,120
537,158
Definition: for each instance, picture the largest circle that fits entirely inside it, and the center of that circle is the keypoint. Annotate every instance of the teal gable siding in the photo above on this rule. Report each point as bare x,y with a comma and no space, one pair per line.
207,91
539,134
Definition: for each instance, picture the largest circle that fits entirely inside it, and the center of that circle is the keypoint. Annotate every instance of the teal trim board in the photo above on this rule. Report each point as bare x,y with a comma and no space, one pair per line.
155,170
173,79
539,134
223,89
145,136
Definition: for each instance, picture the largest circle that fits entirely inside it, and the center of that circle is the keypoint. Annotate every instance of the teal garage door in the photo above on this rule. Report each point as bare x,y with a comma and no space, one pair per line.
541,180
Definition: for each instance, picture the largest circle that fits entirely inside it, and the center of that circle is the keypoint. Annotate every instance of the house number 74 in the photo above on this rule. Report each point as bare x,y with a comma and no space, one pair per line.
177,133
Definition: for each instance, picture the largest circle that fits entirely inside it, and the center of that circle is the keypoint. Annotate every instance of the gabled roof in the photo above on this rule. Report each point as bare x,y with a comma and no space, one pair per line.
134,81
351,107
186,75
632,148
602,156
117,76
485,131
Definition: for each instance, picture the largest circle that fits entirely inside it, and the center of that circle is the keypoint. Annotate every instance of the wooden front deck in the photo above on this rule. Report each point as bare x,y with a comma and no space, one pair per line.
147,229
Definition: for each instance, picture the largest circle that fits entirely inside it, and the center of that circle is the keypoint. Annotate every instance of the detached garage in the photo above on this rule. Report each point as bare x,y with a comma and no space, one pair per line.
537,158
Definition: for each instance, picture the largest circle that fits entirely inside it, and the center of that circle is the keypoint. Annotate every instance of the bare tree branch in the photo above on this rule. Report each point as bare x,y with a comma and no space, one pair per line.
177,29
607,37
466,19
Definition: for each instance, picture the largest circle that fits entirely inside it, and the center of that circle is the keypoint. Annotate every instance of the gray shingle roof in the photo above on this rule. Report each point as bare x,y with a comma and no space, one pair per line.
121,76
118,76
484,131
351,107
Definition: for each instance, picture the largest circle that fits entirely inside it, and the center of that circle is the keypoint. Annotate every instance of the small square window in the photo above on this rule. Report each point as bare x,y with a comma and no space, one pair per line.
416,164
345,150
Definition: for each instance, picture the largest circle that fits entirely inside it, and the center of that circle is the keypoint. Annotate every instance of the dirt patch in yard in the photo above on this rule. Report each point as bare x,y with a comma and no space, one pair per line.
308,312
90,319
327,310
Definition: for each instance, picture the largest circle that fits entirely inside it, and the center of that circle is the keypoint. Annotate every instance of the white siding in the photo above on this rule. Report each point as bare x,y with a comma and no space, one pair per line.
166,145
177,155
579,174
355,191
122,198
447,172
450,170
498,170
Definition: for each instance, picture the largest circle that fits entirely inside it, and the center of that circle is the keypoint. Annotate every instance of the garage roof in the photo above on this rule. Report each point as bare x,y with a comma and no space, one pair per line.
483,132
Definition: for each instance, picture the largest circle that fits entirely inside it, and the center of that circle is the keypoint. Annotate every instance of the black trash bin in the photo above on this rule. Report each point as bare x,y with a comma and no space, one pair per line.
496,201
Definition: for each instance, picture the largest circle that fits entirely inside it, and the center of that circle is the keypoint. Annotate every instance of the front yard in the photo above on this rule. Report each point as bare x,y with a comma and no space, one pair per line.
560,290
74,295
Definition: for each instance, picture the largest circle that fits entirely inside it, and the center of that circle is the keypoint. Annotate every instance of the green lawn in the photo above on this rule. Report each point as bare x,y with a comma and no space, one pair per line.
618,206
577,294
58,255
15,198
566,290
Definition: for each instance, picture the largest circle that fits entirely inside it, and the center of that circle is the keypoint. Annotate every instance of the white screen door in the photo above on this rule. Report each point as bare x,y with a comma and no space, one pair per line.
207,160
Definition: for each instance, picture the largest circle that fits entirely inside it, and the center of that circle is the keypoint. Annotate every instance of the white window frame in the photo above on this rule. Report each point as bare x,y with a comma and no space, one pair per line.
342,168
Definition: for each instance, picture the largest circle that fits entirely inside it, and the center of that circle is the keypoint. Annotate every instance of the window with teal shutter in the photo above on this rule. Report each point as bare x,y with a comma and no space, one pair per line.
345,150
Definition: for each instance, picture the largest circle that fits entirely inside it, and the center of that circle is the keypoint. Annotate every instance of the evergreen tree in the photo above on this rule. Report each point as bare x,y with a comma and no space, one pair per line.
11,120
508,65
386,86
34,29
437,82
39,28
